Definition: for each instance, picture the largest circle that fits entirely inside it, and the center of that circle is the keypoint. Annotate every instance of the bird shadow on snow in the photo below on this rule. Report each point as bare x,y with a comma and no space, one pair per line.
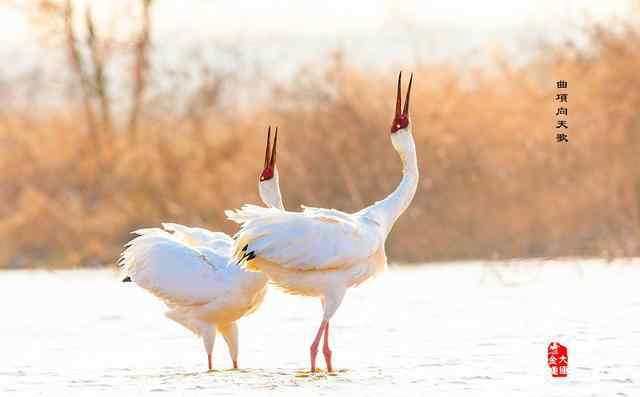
319,374
258,374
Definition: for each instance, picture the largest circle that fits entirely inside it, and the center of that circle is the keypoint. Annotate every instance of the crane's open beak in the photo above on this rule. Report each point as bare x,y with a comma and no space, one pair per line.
266,153
399,97
270,154
272,162
405,111
401,118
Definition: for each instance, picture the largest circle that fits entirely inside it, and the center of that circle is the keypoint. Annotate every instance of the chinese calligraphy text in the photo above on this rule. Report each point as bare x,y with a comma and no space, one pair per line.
562,123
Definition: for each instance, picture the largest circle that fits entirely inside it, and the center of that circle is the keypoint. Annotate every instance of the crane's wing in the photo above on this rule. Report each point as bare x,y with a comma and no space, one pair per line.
174,271
197,236
314,239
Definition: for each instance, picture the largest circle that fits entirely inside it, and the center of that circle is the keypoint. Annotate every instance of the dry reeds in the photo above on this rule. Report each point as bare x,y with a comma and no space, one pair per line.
494,182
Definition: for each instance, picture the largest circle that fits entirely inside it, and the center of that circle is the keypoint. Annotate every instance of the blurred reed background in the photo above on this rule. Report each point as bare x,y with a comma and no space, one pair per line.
118,143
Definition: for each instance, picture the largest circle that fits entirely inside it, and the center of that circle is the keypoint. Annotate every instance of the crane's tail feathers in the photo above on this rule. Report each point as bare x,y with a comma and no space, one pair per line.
314,239
196,236
173,271
146,230
248,216
138,247
250,212
172,227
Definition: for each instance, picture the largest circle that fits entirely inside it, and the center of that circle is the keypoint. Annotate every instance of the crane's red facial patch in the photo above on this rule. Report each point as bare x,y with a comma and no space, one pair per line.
267,174
399,122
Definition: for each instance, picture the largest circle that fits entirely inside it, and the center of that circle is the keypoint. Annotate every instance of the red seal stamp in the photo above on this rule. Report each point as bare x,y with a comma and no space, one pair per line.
557,359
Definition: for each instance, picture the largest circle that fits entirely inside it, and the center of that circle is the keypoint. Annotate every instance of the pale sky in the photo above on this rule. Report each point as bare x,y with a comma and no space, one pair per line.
286,34
359,25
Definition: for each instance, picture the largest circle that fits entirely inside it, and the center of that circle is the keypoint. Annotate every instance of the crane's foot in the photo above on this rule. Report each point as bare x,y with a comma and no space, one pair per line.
327,358
313,350
313,354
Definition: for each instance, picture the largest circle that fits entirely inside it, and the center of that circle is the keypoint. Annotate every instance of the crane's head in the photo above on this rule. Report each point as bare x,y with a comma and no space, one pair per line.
269,169
268,185
401,119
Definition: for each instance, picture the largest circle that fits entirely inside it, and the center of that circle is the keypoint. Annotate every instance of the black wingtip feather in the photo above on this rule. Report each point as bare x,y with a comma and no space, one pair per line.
126,279
247,256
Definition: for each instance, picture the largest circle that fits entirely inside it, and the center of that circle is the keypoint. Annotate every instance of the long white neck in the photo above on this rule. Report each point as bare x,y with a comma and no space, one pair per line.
270,191
388,210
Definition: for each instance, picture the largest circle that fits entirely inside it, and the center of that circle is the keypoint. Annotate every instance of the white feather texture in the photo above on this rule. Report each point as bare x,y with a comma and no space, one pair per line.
193,272
178,273
199,236
314,239
202,286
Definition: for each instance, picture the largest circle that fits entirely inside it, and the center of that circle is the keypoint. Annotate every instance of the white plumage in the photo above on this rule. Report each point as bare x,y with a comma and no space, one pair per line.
193,272
323,252
200,236
179,273
291,239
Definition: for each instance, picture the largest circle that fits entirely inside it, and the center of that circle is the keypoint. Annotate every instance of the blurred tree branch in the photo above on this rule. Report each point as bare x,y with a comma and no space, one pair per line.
140,69
76,63
98,60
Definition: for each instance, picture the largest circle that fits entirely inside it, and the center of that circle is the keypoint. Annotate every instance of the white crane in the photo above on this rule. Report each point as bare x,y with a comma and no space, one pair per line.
323,252
192,271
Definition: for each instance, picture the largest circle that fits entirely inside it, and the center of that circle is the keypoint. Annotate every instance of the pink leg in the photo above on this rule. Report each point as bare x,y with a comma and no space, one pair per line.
209,357
325,348
314,345
235,364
